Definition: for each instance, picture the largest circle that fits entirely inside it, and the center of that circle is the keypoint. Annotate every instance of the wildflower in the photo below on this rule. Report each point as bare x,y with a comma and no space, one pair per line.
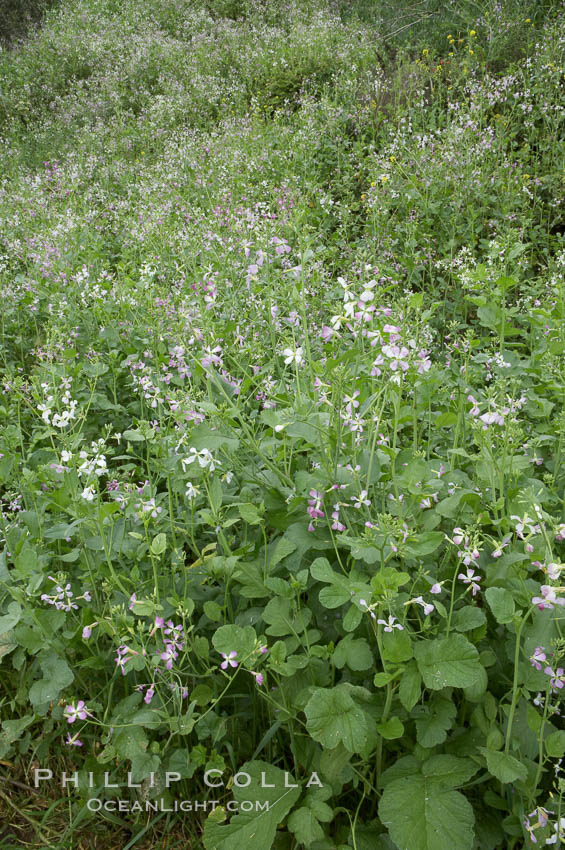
436,588
523,523
363,604
259,678
88,494
315,504
498,551
553,571
293,356
557,680
149,694
361,500
427,606
71,712
471,579
191,490
228,660
538,656
548,598
390,624
87,631
336,524
169,655
73,741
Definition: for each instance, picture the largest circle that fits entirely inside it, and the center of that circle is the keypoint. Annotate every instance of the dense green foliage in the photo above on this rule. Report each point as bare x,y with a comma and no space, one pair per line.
281,491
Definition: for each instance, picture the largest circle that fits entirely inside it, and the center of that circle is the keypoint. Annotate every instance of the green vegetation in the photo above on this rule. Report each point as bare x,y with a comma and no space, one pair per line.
281,487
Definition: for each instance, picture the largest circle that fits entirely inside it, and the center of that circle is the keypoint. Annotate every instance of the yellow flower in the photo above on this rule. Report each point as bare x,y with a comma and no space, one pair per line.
472,52
528,21
472,33
373,184
392,158
425,52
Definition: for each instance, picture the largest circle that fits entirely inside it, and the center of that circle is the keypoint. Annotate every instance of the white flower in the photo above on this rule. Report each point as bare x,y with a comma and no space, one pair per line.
88,494
191,490
361,499
291,356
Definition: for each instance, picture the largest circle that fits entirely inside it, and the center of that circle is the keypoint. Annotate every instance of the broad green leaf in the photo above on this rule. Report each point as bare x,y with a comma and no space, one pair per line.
448,662
304,825
11,619
333,717
555,744
391,728
422,815
57,675
133,436
355,653
501,604
249,513
433,721
397,646
254,829
235,639
504,767
7,643
159,544
283,619
410,686
334,596
322,571
468,618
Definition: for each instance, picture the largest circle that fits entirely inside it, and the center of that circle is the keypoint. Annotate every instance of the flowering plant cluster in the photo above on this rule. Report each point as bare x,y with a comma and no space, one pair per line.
281,424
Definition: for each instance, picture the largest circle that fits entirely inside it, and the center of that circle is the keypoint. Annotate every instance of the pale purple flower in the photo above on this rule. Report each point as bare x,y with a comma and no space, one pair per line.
471,579
149,693
71,712
169,655
436,588
361,500
73,740
86,632
427,606
259,678
497,553
390,624
229,660
548,598
538,656
557,680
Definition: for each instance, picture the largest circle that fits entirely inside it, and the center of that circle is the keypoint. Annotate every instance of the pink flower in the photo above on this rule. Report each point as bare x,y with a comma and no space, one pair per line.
228,660
259,678
557,681
71,712
73,741
548,598
436,588
471,579
538,656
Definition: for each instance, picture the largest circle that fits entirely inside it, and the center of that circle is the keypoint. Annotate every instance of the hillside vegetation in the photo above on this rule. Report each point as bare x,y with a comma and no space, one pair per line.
282,343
